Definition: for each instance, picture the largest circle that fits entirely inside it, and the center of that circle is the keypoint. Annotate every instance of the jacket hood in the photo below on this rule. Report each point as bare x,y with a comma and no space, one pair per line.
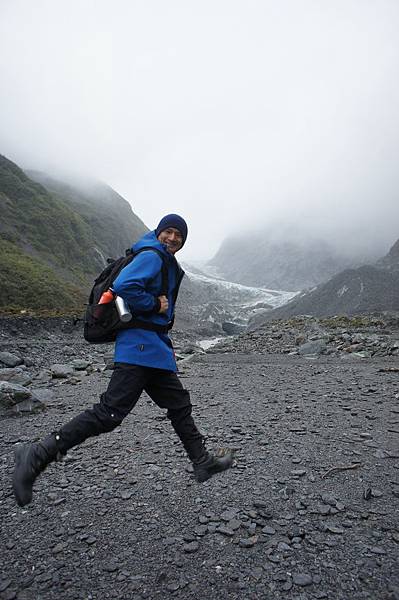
151,240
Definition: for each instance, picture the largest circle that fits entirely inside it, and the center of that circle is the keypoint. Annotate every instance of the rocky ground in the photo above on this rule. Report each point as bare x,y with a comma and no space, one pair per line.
364,336
310,509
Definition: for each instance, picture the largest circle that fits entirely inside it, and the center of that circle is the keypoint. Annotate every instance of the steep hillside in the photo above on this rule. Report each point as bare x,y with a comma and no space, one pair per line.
109,217
365,289
56,240
282,259
391,260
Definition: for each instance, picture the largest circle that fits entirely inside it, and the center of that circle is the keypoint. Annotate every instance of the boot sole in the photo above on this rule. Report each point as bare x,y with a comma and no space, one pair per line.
19,485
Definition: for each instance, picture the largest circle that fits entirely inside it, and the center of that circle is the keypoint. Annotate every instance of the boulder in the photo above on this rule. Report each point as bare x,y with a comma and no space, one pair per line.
16,375
61,371
15,399
315,347
10,360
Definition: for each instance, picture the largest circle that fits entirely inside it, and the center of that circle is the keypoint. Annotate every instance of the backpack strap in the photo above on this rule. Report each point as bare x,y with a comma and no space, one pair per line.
176,292
164,268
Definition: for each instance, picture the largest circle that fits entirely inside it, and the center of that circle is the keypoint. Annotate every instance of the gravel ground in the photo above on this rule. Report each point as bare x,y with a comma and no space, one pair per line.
310,509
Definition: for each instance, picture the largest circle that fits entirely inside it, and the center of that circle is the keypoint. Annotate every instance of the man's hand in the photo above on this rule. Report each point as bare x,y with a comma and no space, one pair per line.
164,304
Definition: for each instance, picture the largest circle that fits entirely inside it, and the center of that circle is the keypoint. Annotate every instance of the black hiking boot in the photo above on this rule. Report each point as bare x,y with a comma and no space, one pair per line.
209,465
30,461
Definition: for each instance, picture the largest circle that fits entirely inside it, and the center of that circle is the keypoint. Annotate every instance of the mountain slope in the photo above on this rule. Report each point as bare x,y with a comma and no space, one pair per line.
365,289
109,217
57,240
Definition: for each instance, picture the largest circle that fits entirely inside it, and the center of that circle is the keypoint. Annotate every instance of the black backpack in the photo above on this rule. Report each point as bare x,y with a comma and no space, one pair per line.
101,321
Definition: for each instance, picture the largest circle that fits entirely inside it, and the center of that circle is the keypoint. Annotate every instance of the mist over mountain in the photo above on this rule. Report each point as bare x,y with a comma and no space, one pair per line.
108,215
285,258
366,289
56,235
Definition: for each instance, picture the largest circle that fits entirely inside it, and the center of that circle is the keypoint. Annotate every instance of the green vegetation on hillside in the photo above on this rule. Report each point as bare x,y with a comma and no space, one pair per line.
54,242
25,283
41,224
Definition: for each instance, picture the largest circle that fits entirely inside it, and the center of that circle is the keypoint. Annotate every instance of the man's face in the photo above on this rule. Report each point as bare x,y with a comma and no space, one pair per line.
172,238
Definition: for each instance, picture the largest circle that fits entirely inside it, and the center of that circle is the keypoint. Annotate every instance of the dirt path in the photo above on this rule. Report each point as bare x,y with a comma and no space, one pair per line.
122,518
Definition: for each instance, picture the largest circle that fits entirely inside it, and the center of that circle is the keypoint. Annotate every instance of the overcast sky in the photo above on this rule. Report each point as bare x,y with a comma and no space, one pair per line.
231,113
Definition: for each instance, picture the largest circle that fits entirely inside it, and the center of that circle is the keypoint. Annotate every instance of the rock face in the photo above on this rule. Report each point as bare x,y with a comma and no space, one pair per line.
267,259
391,260
353,291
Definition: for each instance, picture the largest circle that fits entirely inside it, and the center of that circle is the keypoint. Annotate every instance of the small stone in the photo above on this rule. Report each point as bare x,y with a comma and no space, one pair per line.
201,530
4,584
260,504
324,509
329,499
287,585
110,567
302,579
334,529
268,530
225,531
273,558
298,472
367,494
377,550
234,524
228,515
248,542
283,547
58,548
191,548
126,494
91,540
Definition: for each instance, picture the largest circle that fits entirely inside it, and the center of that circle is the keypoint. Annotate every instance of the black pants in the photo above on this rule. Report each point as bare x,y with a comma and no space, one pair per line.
124,389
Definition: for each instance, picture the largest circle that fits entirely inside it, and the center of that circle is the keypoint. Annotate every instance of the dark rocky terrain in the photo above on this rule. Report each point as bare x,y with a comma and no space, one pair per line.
310,509
353,291
364,336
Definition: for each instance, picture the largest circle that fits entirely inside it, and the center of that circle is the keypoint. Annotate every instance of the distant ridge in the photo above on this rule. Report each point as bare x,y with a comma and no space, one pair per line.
368,288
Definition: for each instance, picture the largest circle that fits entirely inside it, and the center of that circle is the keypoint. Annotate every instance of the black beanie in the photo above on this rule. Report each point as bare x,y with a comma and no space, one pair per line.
173,221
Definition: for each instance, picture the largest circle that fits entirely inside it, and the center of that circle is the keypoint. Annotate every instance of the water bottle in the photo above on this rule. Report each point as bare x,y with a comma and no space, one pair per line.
107,297
123,310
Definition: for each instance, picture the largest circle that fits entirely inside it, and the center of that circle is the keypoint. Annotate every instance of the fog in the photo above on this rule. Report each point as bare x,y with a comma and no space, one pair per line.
234,114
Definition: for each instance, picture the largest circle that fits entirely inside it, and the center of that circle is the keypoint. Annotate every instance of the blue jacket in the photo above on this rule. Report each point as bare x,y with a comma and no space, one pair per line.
139,284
